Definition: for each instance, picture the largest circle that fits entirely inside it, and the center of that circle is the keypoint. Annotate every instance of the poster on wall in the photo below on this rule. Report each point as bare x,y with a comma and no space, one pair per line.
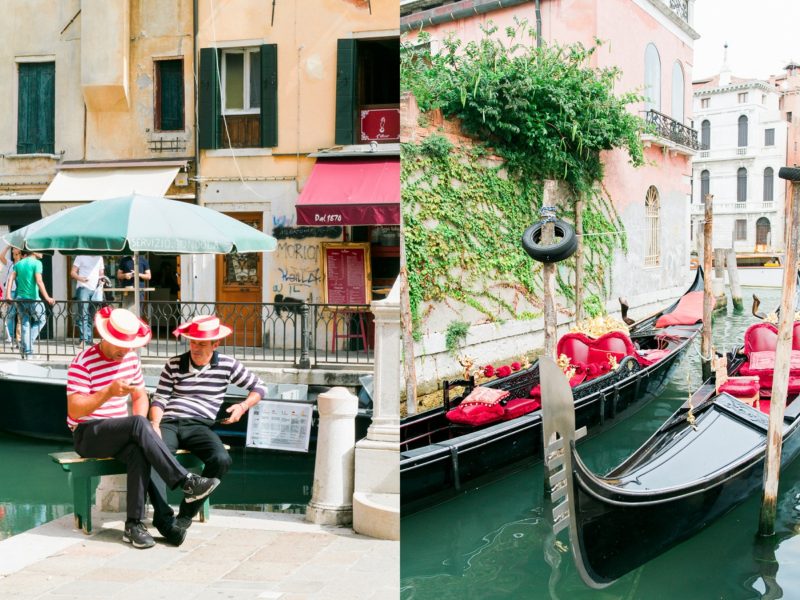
280,425
346,273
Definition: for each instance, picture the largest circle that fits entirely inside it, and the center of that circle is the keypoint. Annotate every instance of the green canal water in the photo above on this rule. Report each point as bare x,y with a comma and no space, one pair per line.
34,490
495,542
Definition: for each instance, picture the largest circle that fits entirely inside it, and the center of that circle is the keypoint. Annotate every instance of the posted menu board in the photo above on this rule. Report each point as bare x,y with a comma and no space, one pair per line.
346,273
278,425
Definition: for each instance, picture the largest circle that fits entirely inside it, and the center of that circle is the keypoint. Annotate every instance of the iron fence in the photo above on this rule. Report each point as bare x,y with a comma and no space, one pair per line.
297,334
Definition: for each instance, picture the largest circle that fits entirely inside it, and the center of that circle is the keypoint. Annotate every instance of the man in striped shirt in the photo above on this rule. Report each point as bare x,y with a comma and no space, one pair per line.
99,381
186,403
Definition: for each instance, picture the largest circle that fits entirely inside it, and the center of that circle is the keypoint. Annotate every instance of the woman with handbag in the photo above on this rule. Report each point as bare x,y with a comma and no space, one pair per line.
87,272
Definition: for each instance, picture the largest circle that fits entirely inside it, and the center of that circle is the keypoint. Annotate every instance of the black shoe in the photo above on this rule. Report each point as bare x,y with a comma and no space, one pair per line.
136,533
173,535
196,487
183,522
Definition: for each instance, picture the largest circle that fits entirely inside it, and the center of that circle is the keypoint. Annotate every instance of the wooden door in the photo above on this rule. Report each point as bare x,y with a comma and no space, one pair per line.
240,280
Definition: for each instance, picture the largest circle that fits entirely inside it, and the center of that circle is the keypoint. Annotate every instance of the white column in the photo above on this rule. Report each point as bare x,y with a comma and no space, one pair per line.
376,500
332,494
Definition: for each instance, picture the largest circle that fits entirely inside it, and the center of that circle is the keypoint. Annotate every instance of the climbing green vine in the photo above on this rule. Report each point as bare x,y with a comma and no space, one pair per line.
548,115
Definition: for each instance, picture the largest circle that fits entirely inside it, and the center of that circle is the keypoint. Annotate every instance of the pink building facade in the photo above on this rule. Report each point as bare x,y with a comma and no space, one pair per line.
651,42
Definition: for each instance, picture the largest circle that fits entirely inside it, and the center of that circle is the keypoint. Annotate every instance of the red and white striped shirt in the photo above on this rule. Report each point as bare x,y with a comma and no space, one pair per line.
91,371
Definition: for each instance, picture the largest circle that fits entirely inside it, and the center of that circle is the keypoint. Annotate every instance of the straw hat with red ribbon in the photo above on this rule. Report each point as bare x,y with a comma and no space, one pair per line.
121,327
203,328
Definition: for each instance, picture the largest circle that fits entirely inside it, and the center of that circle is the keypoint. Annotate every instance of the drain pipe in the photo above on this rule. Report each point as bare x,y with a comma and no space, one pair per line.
196,69
538,24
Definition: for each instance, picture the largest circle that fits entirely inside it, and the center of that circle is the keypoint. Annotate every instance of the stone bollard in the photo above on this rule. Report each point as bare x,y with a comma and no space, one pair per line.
332,494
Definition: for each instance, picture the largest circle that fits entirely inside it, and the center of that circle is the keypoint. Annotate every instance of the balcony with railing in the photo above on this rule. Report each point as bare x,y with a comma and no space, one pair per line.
300,335
671,134
735,207
680,8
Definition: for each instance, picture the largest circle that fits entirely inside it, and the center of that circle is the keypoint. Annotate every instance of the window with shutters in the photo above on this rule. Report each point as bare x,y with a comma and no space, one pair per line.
742,97
367,91
741,185
705,135
652,257
705,185
169,109
740,230
742,131
768,184
763,229
677,91
652,78
237,97
705,102
36,108
769,137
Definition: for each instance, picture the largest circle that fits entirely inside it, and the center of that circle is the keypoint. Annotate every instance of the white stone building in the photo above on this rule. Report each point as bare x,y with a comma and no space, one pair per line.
743,145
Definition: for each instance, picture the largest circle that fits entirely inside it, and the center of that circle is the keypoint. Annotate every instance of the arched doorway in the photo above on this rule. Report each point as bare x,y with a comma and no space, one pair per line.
763,234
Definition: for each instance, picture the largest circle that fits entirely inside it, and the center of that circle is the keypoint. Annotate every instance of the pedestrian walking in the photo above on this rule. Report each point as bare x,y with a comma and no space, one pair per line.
87,272
27,275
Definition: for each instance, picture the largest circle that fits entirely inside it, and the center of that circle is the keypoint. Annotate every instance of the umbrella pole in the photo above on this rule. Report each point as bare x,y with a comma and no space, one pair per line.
136,307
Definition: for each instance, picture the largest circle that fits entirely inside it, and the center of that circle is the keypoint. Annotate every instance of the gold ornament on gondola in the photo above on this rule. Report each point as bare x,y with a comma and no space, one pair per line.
468,363
598,326
612,362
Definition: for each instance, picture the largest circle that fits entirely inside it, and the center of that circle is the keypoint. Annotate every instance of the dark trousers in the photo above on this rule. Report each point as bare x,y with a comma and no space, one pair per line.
196,436
132,441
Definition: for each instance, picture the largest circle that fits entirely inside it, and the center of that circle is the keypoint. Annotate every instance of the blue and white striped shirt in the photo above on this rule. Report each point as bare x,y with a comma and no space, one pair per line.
186,392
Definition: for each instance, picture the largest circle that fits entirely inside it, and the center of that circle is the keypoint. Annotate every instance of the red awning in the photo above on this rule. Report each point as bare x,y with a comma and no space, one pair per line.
351,192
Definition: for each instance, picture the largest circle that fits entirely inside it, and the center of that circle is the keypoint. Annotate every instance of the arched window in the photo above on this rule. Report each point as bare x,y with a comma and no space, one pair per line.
742,132
705,135
705,185
768,184
741,185
652,207
677,92
652,78
763,228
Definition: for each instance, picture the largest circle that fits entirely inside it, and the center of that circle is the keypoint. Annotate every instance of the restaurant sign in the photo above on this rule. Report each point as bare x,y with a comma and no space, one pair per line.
380,125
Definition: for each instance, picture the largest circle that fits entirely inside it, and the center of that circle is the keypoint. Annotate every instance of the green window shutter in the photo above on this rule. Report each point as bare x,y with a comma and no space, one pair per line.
171,94
269,95
36,108
346,100
208,100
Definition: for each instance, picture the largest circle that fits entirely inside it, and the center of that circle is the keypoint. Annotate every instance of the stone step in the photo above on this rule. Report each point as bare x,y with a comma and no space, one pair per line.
377,515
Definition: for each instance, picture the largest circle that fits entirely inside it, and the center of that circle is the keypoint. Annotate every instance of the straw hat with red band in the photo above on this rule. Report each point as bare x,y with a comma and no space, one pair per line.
203,328
121,327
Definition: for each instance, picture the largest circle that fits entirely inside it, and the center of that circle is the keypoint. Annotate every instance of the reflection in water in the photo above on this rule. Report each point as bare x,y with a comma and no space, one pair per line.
494,541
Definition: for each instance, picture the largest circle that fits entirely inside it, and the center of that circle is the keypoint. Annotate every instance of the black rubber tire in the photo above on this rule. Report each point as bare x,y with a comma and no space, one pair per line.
790,173
561,250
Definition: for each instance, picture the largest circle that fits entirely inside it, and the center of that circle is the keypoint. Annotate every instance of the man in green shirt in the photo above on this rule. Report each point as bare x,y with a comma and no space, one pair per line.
27,274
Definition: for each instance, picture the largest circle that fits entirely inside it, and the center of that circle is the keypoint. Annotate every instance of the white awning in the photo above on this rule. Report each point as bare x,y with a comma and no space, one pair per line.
76,186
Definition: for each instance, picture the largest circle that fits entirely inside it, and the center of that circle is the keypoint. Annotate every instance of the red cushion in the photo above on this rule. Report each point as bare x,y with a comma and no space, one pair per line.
520,406
760,336
575,346
688,312
648,357
741,387
475,414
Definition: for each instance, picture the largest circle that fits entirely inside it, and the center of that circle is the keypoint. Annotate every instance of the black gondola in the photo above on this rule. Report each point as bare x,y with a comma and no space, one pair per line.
438,457
707,458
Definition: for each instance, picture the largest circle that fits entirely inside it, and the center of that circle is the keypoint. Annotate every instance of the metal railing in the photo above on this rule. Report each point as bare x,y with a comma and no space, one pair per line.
302,335
670,129
680,8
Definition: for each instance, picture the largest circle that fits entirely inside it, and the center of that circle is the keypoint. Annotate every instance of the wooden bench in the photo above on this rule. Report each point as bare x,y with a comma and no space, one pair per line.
83,474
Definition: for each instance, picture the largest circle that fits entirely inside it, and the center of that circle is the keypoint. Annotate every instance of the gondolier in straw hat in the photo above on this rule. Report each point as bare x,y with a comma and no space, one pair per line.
99,381
187,401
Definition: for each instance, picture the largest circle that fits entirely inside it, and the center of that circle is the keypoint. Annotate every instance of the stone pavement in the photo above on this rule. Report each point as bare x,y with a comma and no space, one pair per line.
236,555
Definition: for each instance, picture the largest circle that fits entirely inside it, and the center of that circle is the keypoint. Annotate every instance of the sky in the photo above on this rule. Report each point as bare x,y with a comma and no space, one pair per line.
762,36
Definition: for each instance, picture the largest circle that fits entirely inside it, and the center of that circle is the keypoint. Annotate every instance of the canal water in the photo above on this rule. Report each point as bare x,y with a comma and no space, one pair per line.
495,542
34,490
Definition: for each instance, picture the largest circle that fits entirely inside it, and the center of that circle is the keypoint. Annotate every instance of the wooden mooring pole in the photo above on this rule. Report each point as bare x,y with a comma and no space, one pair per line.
720,299
733,280
780,382
549,271
708,288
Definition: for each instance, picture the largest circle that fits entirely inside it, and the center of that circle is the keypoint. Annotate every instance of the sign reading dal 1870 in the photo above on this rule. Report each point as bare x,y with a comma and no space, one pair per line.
380,125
